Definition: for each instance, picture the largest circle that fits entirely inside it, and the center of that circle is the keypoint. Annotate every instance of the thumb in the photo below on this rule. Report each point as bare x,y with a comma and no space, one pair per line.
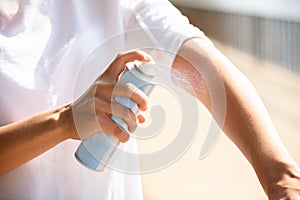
118,65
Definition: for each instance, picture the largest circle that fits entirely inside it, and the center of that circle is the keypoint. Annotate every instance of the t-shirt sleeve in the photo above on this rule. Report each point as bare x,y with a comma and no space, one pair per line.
162,22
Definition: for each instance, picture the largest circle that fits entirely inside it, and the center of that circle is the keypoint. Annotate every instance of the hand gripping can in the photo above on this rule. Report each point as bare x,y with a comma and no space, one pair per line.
99,149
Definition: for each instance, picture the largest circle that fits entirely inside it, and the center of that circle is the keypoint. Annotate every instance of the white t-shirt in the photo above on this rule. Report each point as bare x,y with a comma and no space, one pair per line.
39,66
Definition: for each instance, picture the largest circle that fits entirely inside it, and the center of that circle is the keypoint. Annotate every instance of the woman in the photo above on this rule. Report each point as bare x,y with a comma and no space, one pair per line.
43,45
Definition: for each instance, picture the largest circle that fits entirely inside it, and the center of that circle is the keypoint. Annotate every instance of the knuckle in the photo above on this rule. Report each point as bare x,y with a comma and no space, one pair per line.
126,114
144,100
121,112
116,131
121,135
128,87
120,54
133,127
116,109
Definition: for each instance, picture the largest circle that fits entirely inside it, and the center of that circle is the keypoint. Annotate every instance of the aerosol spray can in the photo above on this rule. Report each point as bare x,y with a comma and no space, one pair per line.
99,149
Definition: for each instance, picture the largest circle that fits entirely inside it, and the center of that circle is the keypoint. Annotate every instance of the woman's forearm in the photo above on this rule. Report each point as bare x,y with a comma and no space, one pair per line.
247,122
24,140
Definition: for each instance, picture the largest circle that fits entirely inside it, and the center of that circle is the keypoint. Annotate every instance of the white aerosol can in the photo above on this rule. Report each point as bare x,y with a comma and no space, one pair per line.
99,149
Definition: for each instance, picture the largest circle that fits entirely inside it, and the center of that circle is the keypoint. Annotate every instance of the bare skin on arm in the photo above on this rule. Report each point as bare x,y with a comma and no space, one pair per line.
247,122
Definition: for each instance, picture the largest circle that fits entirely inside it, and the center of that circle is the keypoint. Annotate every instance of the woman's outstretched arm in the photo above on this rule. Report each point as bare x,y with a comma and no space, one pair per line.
247,122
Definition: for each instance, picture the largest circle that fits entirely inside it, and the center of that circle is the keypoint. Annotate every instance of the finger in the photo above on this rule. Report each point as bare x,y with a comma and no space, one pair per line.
118,65
109,91
118,110
126,115
131,91
109,126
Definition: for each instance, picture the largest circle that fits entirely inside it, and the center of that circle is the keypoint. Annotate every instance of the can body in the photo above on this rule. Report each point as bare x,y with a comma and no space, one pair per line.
99,149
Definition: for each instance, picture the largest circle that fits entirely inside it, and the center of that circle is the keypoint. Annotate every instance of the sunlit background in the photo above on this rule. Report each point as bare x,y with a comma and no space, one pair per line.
262,38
